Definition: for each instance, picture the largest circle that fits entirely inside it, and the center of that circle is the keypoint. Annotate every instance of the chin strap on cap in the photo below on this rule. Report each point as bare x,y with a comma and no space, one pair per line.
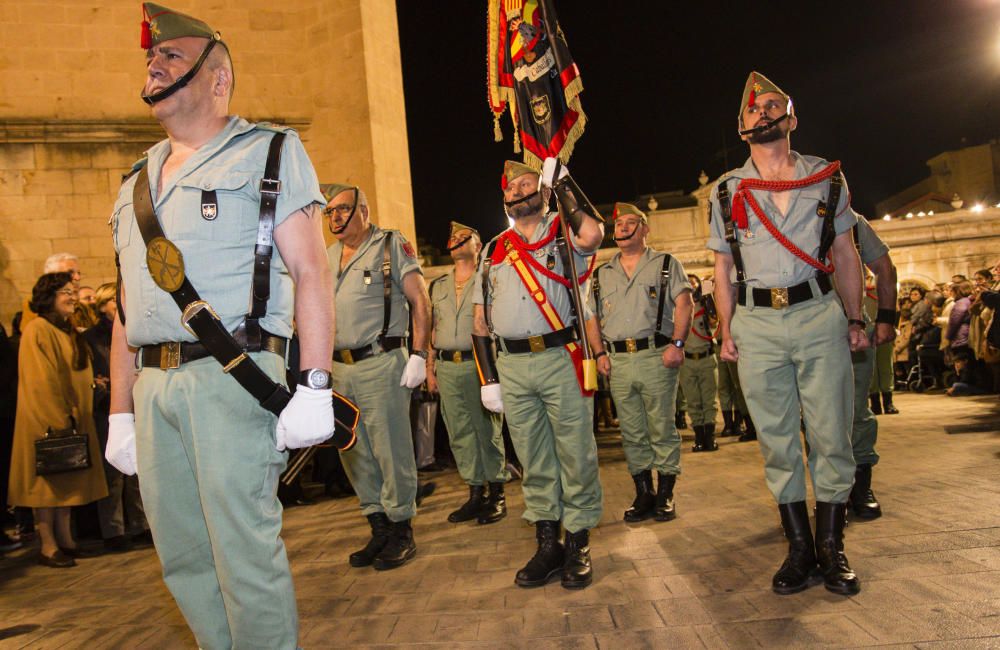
185,79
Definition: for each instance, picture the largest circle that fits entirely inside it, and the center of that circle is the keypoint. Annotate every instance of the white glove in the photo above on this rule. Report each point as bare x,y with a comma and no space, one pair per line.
415,372
492,397
120,451
307,420
549,171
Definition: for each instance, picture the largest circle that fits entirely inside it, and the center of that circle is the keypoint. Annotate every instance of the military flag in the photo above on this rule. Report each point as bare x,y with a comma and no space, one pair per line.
531,72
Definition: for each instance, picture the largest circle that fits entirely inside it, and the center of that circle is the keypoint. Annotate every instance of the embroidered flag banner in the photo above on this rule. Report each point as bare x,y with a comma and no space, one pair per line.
531,72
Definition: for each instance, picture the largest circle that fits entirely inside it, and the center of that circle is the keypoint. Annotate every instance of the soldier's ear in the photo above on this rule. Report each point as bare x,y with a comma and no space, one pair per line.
223,82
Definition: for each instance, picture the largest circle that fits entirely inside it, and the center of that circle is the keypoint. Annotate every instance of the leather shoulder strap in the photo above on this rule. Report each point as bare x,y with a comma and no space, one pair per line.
386,285
596,288
828,211
726,206
487,262
664,285
270,188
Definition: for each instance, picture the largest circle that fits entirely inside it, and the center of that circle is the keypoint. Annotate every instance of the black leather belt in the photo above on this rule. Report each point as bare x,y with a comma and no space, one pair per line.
634,345
173,353
456,356
785,296
538,343
360,354
694,356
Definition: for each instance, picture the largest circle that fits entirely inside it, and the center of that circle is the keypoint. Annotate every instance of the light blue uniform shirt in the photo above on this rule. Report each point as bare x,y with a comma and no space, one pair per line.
766,262
452,319
218,253
360,299
628,305
513,311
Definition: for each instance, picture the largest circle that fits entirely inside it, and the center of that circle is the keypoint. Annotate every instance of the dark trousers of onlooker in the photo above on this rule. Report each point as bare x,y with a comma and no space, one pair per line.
120,513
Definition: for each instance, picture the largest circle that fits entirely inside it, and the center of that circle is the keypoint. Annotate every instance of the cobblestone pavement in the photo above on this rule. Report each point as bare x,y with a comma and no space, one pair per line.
930,568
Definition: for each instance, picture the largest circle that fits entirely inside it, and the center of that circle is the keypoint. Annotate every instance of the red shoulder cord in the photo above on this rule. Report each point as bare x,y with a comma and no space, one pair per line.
744,195
524,247
695,331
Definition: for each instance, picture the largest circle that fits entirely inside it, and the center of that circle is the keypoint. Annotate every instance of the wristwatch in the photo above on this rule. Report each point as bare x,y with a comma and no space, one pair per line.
677,343
316,378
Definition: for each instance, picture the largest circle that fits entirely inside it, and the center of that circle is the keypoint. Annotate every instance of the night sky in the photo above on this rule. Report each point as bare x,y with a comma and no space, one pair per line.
881,86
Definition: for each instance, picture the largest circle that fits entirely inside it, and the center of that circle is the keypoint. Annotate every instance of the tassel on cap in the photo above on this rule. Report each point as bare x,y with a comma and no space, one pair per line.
145,33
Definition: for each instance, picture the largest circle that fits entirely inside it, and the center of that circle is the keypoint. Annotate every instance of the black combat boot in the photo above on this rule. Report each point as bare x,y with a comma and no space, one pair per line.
665,497
750,432
471,508
699,434
495,507
837,574
729,427
887,406
708,437
876,404
548,559
645,502
862,500
800,565
399,550
680,420
380,537
577,571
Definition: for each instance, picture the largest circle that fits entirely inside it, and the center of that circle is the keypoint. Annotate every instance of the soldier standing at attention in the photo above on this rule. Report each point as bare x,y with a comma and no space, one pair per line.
378,282
475,433
522,297
699,374
864,432
204,436
774,224
643,301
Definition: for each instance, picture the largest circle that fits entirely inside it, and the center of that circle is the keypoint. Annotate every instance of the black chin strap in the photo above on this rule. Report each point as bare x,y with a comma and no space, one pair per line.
184,80
764,127
521,200
459,244
354,210
628,236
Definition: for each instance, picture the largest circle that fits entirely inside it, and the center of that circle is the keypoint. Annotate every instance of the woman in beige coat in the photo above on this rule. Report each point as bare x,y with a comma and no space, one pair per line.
54,384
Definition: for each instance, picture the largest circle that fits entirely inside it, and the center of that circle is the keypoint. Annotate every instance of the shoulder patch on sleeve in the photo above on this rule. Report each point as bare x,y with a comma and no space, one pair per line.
409,250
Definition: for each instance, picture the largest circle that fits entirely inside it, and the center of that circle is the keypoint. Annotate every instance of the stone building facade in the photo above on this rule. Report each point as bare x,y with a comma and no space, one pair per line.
71,121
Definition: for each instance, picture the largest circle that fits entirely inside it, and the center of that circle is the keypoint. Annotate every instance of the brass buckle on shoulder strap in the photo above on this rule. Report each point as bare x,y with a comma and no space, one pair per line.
630,346
779,298
192,310
170,355
536,343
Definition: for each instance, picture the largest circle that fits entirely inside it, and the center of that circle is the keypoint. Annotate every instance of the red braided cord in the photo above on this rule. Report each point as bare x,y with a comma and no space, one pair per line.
743,194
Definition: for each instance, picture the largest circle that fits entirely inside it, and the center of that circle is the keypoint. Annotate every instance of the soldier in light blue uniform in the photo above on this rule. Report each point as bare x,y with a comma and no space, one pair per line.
378,284
643,300
475,433
775,223
880,330
550,418
208,453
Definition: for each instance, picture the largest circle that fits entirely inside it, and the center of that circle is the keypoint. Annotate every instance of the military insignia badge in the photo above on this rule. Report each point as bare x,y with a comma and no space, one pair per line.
540,109
408,249
652,292
209,211
166,264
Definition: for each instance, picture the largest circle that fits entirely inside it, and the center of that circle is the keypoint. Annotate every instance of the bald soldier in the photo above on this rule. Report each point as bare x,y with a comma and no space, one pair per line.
378,286
475,433
643,301
780,228
521,299
207,309
864,431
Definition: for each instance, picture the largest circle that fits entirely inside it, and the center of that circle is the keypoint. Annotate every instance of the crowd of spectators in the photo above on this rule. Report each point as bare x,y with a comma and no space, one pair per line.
949,336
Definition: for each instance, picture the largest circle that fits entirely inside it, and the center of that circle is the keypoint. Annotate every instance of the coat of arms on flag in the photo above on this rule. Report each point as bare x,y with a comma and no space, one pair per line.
531,71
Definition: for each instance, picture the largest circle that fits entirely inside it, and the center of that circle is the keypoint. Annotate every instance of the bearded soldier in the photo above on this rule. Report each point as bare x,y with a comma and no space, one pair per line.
780,227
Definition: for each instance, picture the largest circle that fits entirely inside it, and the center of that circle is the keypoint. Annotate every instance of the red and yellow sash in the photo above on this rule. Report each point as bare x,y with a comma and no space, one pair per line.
512,254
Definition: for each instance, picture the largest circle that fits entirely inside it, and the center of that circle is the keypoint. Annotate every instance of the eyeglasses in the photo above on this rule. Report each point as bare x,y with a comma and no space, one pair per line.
67,292
344,209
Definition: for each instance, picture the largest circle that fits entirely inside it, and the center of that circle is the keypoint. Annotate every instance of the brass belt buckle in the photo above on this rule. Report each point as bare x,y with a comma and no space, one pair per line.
170,355
346,356
779,298
630,346
536,343
456,356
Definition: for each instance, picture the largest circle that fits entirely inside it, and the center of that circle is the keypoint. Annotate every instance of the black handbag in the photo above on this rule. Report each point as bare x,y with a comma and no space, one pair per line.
61,450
